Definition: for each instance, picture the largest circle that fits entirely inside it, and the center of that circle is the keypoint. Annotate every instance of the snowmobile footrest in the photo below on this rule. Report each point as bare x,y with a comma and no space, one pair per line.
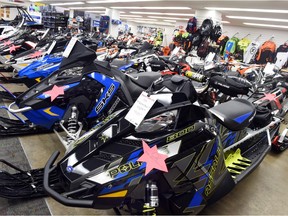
253,156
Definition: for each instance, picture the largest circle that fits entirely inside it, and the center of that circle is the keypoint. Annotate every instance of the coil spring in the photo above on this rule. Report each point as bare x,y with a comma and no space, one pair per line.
72,124
147,210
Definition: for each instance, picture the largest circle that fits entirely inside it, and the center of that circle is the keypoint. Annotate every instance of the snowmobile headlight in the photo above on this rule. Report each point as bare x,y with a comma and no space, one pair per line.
158,123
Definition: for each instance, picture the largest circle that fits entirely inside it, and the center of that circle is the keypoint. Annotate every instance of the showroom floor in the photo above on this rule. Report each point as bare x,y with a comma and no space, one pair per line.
264,192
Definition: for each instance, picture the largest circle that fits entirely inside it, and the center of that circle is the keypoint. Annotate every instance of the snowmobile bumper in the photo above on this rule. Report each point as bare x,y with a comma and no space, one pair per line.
57,196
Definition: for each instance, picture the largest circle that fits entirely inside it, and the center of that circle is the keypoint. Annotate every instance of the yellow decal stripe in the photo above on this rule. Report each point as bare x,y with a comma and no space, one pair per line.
116,194
48,111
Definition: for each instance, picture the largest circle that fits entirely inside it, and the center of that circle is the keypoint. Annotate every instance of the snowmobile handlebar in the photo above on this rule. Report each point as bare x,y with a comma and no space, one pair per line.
25,109
62,199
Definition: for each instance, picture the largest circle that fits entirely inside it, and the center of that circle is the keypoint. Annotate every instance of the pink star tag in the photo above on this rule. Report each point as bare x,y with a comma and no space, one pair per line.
55,92
153,159
36,54
7,43
12,48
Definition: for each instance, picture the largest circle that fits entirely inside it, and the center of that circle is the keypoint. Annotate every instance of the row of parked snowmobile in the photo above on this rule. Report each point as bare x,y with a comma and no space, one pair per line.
144,134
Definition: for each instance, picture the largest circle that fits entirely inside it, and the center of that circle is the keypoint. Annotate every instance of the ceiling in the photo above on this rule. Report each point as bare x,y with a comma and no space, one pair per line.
193,5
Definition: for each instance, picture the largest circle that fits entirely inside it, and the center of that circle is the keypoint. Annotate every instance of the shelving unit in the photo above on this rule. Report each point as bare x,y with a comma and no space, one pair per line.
54,20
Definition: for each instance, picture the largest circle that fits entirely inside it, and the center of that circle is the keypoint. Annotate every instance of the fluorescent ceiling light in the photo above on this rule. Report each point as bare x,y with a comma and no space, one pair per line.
266,25
159,13
67,3
172,18
155,23
174,21
122,12
154,8
247,10
258,18
115,1
225,21
127,15
86,8
144,19
95,11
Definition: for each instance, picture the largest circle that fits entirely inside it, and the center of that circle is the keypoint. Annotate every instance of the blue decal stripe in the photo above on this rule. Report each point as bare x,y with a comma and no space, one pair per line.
242,118
197,199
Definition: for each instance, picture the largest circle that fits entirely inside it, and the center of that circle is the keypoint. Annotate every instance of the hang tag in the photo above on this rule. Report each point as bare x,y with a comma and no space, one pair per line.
70,47
210,57
51,47
175,51
140,109
268,70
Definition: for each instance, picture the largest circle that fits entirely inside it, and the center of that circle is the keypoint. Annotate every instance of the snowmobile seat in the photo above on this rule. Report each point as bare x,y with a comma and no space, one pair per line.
144,80
235,114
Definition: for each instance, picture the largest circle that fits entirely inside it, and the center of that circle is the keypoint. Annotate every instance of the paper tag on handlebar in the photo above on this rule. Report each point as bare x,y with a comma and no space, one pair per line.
175,51
269,69
70,47
140,109
51,47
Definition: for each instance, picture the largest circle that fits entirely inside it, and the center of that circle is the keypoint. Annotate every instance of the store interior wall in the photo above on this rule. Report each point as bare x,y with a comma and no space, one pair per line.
280,37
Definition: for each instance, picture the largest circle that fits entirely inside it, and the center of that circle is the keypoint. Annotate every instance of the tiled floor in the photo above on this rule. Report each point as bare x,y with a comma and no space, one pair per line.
264,192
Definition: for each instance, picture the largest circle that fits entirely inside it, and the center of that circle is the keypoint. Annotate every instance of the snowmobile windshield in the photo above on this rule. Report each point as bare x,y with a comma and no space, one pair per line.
145,47
79,56
164,121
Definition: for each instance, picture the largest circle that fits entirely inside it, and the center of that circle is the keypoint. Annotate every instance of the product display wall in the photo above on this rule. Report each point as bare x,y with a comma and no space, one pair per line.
157,107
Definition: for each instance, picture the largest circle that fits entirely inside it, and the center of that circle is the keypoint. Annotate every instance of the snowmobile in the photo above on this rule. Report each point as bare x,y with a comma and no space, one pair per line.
49,58
80,93
172,162
22,19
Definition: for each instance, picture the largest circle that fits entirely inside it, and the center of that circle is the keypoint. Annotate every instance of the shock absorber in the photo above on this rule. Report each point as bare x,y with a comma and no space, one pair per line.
151,199
72,126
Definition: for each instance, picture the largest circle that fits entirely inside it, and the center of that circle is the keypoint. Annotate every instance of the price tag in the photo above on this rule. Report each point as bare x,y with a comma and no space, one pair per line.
209,57
175,51
51,47
70,47
268,70
140,109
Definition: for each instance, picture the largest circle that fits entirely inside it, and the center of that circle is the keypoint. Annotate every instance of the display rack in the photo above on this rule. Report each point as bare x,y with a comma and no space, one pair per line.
54,20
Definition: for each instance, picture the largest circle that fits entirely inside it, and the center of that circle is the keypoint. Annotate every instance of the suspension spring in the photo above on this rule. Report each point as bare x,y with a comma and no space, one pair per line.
72,126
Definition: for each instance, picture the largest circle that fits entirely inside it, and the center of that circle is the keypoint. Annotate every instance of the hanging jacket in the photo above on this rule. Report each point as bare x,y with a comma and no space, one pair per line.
230,47
266,52
251,51
242,45
221,42
282,52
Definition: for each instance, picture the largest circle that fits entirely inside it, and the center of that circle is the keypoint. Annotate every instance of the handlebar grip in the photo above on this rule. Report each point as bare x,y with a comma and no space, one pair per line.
195,76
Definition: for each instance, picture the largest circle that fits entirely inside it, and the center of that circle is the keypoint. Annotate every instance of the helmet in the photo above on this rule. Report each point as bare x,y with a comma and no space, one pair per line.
206,27
216,32
197,38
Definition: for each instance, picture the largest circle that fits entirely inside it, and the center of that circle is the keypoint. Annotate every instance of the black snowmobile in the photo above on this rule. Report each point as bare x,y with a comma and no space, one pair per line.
173,162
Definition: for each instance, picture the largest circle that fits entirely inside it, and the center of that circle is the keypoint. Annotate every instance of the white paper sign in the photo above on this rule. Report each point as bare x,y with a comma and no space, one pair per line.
140,109
268,70
51,47
70,46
